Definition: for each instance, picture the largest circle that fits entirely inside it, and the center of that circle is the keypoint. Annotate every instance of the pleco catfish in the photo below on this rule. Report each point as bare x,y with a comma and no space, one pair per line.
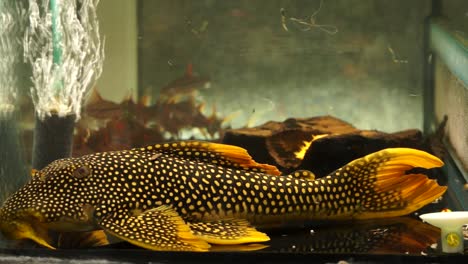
187,195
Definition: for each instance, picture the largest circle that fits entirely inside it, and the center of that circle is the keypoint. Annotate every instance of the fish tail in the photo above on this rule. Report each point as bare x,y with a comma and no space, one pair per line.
381,187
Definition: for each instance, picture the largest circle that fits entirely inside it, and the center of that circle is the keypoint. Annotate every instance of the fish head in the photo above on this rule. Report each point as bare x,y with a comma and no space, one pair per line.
57,198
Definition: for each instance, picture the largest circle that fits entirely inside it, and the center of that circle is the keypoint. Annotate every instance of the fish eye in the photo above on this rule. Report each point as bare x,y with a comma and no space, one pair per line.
82,172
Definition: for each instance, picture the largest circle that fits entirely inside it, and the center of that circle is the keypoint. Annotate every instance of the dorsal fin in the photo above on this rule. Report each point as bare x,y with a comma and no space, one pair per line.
215,153
33,172
94,97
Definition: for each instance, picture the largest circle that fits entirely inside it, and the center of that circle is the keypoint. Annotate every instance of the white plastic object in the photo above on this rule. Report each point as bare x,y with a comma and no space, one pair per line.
450,224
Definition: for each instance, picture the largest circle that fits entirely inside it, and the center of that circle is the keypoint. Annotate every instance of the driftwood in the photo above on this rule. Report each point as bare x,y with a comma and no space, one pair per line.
277,143
332,152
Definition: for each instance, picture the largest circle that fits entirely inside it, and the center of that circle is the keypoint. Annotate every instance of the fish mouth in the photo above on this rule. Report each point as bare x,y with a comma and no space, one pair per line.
28,226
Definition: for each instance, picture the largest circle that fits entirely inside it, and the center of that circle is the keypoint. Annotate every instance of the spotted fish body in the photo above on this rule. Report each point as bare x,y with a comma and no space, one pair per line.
187,195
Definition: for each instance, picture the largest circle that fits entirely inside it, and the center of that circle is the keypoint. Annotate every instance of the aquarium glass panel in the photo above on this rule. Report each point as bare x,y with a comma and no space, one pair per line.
451,99
270,60
289,128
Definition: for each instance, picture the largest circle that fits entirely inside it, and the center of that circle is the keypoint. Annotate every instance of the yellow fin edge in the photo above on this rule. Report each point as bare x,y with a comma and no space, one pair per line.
252,236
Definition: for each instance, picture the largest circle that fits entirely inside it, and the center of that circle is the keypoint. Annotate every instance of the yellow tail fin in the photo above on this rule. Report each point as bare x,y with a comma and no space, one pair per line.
381,186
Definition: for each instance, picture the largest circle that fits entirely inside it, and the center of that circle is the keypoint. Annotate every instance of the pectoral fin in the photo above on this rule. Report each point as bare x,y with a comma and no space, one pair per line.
227,232
30,226
160,228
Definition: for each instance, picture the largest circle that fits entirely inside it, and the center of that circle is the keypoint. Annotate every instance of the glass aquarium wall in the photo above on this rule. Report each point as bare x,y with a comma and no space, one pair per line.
257,61
303,85
449,61
192,69
452,101
449,41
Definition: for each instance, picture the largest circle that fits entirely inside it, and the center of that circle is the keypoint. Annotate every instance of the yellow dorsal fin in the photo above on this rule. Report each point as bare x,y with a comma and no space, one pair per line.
215,153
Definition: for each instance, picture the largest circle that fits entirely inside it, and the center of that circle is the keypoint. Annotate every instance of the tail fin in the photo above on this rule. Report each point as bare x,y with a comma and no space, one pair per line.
381,188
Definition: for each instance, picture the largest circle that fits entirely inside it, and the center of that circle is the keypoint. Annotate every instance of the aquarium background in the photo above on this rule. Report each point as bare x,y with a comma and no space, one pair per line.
368,73
265,60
